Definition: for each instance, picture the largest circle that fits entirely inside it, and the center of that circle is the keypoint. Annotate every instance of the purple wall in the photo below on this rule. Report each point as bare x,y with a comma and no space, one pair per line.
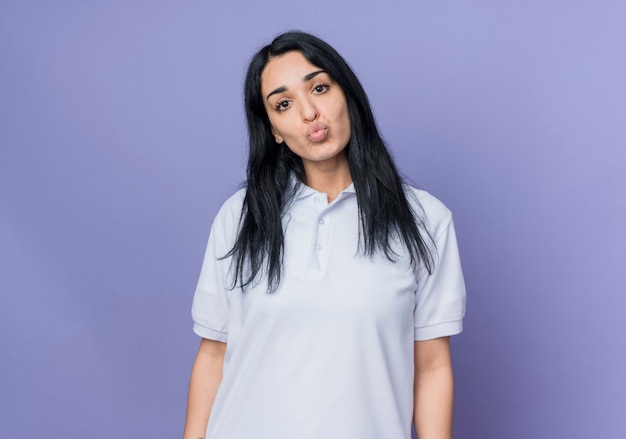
121,132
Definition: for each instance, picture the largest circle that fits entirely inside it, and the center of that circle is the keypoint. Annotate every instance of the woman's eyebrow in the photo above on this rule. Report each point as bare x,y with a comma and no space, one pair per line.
278,90
305,79
312,75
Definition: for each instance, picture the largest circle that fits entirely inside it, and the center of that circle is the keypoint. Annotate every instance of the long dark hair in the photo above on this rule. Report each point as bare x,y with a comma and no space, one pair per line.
384,211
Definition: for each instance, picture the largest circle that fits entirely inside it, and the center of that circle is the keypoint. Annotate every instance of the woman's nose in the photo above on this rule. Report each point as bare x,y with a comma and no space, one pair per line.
309,110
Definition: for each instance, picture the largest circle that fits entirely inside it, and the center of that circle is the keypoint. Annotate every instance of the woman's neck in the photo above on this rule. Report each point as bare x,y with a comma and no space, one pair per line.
330,176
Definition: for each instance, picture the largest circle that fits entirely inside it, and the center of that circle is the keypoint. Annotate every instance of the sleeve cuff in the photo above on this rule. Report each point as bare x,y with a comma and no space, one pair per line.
439,330
209,333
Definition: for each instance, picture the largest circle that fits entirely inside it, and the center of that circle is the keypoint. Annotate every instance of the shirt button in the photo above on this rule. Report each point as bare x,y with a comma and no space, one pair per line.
318,247
316,199
322,221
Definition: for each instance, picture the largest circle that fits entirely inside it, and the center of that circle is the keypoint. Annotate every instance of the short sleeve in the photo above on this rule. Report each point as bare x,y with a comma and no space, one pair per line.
210,309
440,296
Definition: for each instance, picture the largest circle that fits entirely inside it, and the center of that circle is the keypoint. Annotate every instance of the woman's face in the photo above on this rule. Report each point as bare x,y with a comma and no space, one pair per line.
306,108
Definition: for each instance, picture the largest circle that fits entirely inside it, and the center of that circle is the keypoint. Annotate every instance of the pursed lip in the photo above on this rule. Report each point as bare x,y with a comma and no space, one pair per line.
317,131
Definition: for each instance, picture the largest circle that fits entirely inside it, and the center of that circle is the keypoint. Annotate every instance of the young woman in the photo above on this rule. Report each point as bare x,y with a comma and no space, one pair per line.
329,288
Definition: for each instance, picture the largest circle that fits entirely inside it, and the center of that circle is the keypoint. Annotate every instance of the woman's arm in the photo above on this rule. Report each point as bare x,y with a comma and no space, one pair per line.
433,389
206,377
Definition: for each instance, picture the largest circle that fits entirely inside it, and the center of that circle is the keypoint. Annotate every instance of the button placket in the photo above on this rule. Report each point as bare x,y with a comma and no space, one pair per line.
323,231
320,231
315,208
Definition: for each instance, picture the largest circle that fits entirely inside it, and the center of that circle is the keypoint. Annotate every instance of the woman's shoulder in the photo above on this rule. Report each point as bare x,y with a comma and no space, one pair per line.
229,212
235,201
434,213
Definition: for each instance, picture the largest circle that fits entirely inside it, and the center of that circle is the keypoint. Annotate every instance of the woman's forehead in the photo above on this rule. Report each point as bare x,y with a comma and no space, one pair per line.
290,68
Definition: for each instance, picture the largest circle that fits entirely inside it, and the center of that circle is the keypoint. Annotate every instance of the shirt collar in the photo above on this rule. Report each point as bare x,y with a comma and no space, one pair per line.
304,191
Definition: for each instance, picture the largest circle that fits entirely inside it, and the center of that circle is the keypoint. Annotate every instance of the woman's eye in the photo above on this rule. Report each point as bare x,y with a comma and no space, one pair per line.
320,88
282,105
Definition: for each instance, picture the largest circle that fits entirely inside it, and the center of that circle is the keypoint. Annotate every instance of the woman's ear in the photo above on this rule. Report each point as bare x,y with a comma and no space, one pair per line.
279,139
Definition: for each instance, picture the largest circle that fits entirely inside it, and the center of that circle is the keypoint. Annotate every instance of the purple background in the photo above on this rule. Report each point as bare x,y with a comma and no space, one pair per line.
121,132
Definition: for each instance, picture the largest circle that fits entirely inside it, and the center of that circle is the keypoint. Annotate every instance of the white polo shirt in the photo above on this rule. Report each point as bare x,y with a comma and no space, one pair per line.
330,353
